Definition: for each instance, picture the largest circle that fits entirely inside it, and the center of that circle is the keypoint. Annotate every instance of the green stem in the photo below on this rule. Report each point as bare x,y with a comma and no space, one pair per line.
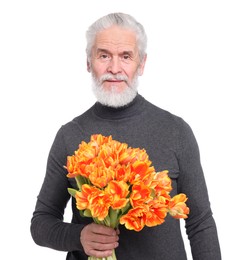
113,218
112,257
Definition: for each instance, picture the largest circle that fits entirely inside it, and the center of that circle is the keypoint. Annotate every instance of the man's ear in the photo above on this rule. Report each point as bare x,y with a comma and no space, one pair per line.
142,66
88,66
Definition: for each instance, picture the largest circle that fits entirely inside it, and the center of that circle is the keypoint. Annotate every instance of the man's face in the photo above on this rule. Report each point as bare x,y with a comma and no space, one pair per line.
115,63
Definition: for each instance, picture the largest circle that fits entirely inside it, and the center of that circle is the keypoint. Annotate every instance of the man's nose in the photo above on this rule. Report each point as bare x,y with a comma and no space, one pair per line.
114,66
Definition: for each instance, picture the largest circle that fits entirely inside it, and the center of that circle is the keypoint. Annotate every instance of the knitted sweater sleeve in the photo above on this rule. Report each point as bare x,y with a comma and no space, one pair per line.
47,226
200,225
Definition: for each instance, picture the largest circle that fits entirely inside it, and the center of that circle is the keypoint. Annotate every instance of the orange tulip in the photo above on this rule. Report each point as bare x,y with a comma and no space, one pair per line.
100,176
98,140
99,204
177,206
156,214
72,167
122,173
162,181
125,156
82,198
140,194
119,191
141,172
134,219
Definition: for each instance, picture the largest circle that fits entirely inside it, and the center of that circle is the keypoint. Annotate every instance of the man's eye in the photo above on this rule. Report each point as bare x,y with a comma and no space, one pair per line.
126,57
104,56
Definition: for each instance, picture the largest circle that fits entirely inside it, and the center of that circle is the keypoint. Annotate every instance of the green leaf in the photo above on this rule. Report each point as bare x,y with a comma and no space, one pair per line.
80,181
87,213
72,192
81,212
126,208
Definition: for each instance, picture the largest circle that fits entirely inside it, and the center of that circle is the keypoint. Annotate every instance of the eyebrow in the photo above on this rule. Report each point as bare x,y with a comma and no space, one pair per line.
106,51
102,50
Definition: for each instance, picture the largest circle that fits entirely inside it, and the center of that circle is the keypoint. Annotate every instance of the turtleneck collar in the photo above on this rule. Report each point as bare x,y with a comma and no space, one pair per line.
133,108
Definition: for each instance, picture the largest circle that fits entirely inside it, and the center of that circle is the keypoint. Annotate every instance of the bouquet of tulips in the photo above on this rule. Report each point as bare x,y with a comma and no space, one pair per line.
118,185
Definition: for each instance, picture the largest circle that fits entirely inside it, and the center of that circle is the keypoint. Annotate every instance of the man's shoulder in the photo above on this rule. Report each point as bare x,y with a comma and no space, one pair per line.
79,118
164,115
74,126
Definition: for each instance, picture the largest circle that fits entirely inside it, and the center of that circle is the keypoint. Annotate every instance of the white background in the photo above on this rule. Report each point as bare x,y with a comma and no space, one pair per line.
198,67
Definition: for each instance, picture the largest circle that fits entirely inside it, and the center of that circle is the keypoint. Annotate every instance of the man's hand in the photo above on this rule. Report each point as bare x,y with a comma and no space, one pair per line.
98,240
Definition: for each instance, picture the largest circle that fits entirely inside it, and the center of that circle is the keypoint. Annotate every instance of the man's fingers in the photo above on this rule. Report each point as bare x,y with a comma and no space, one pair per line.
101,229
98,240
100,250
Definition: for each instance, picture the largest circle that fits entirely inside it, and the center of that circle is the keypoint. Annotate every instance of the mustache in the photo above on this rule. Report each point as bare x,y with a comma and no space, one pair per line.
109,76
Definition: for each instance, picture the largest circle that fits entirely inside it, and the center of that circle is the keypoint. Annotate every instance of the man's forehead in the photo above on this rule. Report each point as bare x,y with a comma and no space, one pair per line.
116,37
114,46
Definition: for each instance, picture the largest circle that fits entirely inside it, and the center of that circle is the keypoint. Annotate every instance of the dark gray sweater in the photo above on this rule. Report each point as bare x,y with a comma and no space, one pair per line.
170,144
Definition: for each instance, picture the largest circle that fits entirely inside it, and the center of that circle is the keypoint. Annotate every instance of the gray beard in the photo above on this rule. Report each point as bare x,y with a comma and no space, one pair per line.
111,97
